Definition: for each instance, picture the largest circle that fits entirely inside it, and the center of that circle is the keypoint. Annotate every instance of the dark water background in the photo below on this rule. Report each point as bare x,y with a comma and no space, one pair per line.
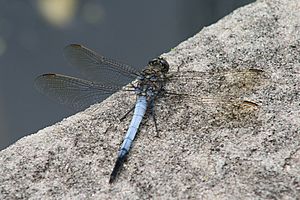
134,31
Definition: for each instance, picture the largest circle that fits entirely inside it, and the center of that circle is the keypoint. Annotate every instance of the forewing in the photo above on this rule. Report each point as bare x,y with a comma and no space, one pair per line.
73,92
99,68
219,84
225,92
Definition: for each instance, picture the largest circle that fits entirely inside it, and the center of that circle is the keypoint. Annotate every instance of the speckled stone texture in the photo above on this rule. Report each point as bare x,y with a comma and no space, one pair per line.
234,135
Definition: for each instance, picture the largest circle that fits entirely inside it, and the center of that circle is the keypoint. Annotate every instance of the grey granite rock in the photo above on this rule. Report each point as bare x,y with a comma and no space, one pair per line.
236,137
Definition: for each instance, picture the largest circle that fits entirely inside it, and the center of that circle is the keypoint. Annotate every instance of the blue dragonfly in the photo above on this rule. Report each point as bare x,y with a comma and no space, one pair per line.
106,76
110,76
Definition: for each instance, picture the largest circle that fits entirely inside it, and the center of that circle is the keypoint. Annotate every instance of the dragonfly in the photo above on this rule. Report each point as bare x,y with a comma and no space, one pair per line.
110,77
107,76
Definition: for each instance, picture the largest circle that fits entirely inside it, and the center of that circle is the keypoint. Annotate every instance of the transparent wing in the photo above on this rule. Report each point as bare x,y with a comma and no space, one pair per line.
216,100
73,92
225,91
219,84
99,68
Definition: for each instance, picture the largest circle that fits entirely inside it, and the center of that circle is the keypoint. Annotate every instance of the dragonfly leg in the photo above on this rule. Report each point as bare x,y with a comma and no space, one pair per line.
127,113
131,109
177,94
155,124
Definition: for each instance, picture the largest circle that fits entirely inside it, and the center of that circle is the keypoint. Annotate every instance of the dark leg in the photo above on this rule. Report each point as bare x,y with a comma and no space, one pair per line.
129,111
177,94
132,108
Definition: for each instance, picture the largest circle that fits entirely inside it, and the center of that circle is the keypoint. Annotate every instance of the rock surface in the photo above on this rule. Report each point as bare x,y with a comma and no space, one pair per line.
236,137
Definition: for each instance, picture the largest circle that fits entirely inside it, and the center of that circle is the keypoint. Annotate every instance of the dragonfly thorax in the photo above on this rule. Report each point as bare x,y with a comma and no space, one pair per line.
148,85
152,79
146,89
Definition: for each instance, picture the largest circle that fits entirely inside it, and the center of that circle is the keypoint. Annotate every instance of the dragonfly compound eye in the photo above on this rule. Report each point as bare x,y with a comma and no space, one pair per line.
160,62
164,64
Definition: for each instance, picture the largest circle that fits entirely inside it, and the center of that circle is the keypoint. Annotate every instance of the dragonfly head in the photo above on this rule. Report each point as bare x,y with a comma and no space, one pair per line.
160,63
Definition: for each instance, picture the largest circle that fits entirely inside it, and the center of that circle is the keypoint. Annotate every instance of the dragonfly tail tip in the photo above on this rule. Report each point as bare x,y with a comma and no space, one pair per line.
117,167
111,179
